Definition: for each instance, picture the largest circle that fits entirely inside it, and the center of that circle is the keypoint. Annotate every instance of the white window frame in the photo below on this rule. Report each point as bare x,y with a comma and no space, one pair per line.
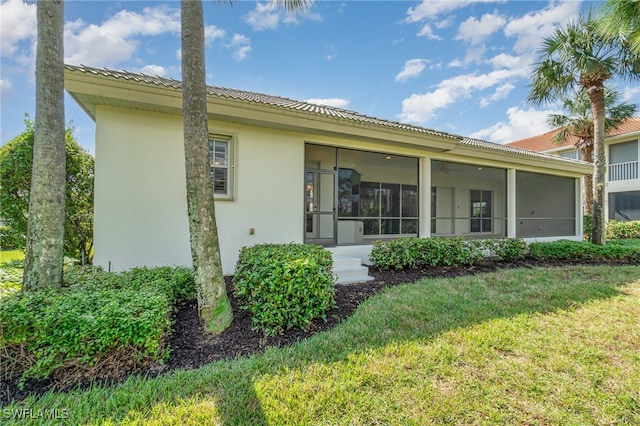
229,194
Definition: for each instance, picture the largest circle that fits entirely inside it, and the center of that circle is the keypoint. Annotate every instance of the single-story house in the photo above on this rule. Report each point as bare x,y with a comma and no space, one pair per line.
291,171
622,149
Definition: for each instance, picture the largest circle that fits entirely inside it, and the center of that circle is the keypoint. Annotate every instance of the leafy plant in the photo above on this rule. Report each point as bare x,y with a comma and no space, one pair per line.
506,249
284,286
110,320
623,230
16,160
581,251
406,253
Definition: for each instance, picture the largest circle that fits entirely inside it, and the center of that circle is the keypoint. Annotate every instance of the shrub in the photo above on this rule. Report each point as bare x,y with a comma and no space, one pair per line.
506,249
406,253
581,251
622,230
284,286
588,226
100,323
9,240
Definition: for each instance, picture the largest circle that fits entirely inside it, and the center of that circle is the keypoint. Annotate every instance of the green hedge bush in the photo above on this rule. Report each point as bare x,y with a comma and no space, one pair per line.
506,249
404,253
284,286
110,320
622,230
566,250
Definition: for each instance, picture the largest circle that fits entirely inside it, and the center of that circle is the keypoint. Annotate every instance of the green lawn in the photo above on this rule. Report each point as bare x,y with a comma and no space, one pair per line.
631,243
9,255
523,346
10,275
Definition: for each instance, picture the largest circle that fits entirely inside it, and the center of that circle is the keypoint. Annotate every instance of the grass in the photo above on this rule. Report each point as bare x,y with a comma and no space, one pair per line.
522,346
630,243
10,271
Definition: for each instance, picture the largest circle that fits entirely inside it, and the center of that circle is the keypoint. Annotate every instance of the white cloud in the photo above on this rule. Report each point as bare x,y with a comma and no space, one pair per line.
475,31
116,39
521,124
267,16
213,33
17,24
427,32
241,45
531,28
334,102
503,60
5,89
241,53
412,68
152,69
420,108
432,8
629,93
501,92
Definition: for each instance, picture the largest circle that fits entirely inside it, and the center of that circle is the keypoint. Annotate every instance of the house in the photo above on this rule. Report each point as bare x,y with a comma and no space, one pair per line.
622,178
290,171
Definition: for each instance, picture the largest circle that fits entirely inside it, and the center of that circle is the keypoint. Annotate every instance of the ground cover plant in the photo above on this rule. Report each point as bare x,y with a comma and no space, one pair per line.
97,325
518,346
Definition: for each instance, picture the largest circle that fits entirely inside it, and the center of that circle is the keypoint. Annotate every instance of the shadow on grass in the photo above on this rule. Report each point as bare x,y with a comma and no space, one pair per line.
225,392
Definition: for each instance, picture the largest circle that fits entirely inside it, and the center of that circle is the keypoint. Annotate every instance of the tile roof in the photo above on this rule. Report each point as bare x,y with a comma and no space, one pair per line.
327,111
512,150
543,142
276,101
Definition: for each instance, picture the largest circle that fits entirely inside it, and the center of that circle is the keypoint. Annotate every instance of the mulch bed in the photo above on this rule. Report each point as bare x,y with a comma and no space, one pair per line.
191,348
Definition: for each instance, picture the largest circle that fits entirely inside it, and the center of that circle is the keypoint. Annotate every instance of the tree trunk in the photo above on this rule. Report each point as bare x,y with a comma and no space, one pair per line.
587,155
596,96
214,309
45,233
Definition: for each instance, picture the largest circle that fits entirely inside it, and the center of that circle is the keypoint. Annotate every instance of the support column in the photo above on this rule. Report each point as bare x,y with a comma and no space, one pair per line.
579,208
425,198
511,203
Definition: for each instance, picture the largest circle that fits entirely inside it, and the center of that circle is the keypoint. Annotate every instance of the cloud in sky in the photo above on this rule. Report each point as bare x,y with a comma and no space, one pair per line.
522,123
474,31
18,23
432,8
420,108
334,102
412,68
267,16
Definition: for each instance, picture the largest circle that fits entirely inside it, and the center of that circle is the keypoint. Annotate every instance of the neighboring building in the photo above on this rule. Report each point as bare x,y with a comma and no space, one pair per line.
289,171
623,180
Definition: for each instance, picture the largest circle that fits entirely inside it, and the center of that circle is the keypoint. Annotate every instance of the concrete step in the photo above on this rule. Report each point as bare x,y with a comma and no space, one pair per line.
349,270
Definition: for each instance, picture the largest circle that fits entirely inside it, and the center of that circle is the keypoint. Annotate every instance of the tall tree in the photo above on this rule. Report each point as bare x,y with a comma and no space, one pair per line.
577,57
214,309
16,166
578,123
45,235
621,19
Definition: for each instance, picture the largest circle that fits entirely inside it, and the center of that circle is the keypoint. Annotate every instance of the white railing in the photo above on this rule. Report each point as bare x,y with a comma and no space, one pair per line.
623,171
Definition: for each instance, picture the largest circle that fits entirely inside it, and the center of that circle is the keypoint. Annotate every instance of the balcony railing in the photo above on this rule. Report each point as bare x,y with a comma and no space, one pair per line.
623,171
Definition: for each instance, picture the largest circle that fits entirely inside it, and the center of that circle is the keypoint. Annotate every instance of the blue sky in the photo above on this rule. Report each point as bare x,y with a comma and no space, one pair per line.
459,66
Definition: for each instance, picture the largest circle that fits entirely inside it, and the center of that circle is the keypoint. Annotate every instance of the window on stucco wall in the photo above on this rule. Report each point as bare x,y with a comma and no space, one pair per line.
222,162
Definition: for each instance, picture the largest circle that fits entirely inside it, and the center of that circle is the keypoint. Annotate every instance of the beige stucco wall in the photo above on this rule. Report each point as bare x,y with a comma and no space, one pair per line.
140,209
140,205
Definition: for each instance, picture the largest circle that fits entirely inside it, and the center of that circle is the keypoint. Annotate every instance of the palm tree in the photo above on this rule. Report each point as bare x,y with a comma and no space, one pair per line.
621,18
579,124
578,57
214,309
45,229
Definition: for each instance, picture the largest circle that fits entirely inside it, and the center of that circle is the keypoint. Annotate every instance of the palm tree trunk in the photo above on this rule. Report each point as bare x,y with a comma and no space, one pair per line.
596,96
45,229
214,309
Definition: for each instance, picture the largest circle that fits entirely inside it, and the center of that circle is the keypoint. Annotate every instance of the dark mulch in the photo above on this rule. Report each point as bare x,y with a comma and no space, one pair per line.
192,348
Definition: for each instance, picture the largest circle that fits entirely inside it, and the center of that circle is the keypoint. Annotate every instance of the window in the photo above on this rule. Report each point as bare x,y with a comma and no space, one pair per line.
480,211
573,154
389,208
221,161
